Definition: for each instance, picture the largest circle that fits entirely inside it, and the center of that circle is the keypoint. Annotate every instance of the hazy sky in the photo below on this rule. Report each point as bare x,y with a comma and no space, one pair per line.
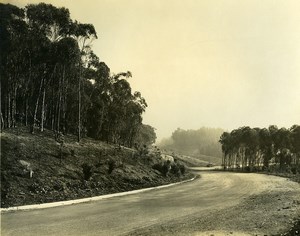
201,63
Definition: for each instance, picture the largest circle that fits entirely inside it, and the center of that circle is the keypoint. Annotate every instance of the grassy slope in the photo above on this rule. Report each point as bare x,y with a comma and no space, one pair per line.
199,160
56,179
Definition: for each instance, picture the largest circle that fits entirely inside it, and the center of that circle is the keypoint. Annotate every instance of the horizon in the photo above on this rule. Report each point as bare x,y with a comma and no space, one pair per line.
201,63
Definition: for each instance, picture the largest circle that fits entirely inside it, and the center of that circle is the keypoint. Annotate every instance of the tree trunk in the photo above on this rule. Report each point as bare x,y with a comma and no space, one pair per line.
1,122
36,106
8,111
26,111
1,117
63,102
52,110
14,107
59,106
79,108
101,120
43,109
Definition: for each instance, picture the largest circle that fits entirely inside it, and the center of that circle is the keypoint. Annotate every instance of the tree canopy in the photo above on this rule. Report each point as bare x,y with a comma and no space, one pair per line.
255,148
51,78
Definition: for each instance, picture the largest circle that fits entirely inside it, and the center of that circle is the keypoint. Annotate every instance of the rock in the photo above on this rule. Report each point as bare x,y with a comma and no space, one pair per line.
25,164
27,167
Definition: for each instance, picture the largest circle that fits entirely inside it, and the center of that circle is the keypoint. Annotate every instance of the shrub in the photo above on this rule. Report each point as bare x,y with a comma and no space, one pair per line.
163,168
142,151
182,169
59,137
294,170
111,165
175,169
87,171
157,166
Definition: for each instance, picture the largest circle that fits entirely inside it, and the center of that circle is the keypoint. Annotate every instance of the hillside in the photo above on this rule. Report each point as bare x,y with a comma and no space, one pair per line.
200,160
197,160
74,170
201,144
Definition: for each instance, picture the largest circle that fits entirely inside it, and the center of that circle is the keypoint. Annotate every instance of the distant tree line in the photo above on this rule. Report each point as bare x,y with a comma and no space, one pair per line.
193,142
255,148
51,78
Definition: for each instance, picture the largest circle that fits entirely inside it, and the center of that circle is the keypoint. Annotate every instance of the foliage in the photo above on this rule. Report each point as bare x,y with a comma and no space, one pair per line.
145,135
142,151
163,167
111,165
51,78
182,169
175,169
254,148
87,171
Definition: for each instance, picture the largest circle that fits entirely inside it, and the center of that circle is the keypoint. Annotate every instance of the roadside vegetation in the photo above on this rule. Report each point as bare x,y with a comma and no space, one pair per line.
70,128
268,149
35,168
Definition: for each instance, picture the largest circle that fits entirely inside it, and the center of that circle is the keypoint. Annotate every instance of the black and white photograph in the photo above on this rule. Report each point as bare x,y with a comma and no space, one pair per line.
150,117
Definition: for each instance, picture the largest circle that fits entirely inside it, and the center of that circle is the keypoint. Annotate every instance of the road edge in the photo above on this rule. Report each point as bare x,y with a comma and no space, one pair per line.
90,199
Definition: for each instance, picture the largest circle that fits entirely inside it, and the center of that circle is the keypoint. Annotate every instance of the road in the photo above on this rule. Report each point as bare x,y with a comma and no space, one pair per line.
126,214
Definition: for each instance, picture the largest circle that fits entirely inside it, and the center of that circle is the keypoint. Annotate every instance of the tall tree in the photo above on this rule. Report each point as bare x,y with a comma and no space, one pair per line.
51,78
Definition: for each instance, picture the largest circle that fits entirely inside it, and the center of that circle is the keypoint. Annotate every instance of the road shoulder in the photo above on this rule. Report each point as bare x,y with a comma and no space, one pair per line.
271,212
83,200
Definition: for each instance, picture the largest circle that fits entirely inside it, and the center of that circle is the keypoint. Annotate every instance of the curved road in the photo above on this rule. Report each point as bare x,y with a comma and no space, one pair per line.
124,215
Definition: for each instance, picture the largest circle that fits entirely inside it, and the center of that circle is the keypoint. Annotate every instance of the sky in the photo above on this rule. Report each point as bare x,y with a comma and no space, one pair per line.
214,63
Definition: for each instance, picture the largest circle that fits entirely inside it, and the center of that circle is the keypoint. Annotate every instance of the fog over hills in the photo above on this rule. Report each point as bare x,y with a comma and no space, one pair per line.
203,141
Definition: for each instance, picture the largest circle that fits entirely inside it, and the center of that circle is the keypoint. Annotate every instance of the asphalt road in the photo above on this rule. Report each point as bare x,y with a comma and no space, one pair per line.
123,215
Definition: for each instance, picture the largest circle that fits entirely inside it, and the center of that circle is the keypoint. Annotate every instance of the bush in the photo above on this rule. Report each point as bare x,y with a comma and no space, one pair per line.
111,165
175,169
294,170
182,169
87,171
142,151
157,166
163,168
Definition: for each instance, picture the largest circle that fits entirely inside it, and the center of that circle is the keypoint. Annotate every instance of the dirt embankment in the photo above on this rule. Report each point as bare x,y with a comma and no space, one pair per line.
37,169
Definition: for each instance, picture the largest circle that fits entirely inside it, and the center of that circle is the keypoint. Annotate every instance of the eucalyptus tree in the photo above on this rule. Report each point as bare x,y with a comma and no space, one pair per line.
67,55
48,24
295,143
50,74
119,98
283,145
12,30
225,141
145,135
98,85
133,118
252,148
84,34
266,146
